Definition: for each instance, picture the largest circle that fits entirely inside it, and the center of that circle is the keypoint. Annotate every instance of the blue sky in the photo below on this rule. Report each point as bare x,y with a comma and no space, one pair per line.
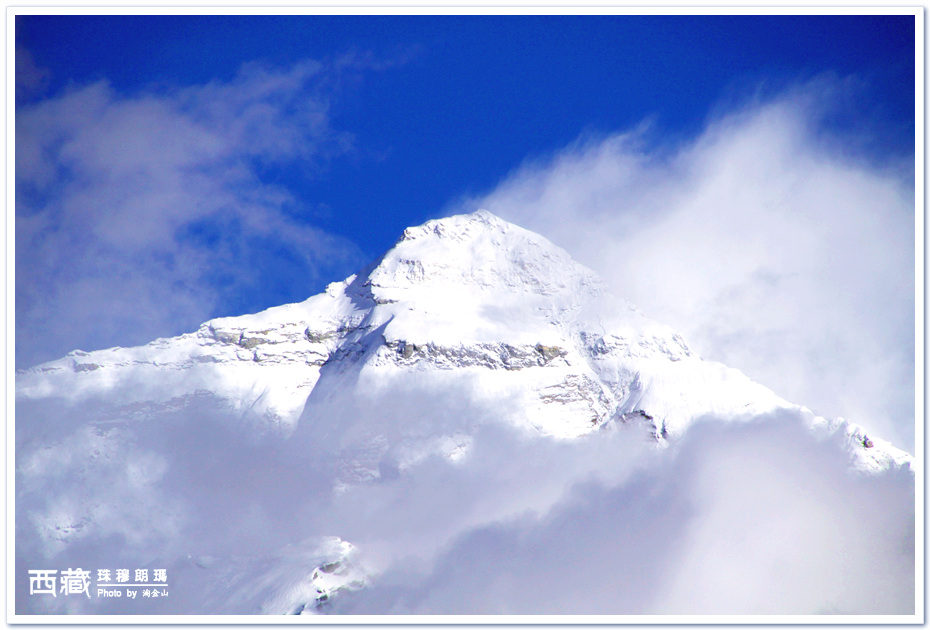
448,105
172,169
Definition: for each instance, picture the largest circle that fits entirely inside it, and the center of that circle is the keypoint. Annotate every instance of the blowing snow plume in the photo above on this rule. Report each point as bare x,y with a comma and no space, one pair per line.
770,240
472,424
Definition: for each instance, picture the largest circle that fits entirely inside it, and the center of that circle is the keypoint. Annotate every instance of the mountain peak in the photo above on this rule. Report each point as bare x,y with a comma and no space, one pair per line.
500,306
460,357
476,253
458,226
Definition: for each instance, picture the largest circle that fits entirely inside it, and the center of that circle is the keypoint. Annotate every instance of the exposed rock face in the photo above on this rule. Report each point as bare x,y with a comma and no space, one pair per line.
495,356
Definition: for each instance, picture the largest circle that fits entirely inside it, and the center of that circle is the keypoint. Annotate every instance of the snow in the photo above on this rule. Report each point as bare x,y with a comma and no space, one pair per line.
472,292
469,325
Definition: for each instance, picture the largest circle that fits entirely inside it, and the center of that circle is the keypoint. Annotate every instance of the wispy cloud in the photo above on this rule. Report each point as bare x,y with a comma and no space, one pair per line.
770,242
140,215
31,79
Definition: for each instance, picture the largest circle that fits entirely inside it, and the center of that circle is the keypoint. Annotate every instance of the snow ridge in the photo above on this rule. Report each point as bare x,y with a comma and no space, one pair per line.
468,321
470,294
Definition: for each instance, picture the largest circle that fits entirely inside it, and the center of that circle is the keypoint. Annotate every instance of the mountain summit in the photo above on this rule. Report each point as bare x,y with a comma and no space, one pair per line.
468,324
470,302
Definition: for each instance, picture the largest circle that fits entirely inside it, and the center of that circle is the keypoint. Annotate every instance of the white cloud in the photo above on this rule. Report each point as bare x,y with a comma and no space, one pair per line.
762,517
140,215
738,519
764,241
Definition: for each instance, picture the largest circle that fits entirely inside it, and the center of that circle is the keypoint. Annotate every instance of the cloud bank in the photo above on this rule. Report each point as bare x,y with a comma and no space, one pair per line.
739,519
735,518
773,244
155,204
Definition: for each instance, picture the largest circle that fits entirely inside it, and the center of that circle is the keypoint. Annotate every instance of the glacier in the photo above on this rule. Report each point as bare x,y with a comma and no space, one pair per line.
338,454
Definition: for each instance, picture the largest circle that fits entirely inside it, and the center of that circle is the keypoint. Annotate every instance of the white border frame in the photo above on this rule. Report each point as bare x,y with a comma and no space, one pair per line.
517,7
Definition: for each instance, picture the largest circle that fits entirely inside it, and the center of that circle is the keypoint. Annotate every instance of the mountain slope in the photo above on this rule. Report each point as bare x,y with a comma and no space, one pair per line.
467,327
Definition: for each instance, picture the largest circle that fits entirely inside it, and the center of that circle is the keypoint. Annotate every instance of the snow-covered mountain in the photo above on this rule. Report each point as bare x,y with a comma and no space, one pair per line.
241,457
